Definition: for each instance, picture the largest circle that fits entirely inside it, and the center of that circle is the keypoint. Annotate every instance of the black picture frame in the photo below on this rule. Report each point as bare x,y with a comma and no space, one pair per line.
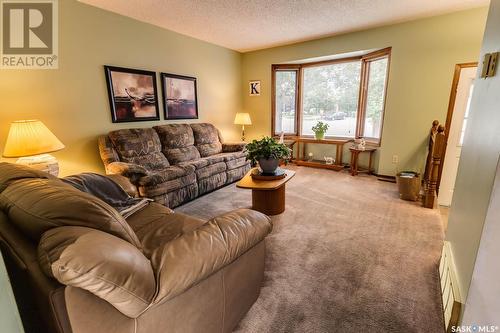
122,104
188,108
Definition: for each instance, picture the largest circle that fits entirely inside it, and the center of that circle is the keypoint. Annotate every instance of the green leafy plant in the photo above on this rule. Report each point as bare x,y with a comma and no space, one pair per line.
267,148
320,127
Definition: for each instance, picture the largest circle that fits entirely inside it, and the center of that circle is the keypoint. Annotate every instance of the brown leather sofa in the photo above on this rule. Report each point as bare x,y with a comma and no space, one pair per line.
173,163
78,266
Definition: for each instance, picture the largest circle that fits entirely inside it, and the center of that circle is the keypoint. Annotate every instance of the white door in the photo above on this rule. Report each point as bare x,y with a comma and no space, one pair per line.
456,134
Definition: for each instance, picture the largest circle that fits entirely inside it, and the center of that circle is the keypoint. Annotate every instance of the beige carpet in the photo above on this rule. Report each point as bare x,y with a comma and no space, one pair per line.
346,256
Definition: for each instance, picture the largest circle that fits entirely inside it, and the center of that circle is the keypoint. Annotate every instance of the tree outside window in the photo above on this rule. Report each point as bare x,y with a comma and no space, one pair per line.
348,94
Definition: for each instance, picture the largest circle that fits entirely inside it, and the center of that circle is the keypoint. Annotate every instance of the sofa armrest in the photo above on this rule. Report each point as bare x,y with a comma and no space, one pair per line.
107,150
129,170
189,259
232,147
106,266
125,184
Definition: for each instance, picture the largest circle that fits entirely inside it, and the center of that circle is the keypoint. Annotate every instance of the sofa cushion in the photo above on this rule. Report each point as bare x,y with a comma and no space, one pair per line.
229,147
217,158
206,139
237,163
212,182
211,170
100,263
139,146
155,189
177,142
166,174
232,156
236,174
178,155
209,149
36,205
145,216
175,135
194,256
198,164
156,225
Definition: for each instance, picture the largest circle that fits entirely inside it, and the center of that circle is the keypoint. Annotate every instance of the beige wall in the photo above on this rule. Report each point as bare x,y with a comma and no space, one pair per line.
477,167
72,101
424,53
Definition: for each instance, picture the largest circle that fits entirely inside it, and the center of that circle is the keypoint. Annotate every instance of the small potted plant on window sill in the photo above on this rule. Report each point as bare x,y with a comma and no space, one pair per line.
319,130
268,152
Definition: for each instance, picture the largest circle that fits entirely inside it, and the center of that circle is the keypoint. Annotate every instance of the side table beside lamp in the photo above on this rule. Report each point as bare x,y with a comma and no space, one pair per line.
242,119
358,148
31,141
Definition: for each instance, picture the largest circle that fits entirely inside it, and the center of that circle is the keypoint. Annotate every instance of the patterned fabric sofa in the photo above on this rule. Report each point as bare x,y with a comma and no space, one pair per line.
173,163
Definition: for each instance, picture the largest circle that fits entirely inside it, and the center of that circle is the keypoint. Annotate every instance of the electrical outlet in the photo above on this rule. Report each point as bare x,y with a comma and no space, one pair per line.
395,159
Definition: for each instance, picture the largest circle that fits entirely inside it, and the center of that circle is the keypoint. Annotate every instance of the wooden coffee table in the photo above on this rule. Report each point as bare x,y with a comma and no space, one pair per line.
268,196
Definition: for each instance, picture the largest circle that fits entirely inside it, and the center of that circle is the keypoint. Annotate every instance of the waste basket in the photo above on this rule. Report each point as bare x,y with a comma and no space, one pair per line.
409,185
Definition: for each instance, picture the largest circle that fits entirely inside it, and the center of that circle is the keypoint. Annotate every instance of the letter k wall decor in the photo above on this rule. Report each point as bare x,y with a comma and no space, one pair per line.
254,88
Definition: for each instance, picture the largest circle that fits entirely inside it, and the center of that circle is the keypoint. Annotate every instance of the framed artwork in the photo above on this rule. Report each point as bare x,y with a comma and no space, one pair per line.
179,96
132,94
254,88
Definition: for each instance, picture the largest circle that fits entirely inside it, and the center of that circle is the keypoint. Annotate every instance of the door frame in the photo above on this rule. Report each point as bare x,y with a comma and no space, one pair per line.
449,115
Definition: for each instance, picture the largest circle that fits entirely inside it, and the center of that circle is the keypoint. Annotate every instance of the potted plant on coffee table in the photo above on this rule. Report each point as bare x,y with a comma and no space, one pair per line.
268,152
320,129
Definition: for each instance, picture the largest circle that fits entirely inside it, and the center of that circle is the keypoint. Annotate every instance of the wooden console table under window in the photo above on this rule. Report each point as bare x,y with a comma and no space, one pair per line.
301,158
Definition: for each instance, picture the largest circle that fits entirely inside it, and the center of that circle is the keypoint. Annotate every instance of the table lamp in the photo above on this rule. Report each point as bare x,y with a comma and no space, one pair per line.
31,140
242,119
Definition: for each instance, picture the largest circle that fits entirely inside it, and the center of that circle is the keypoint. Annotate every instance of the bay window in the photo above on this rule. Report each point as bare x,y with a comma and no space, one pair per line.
348,94
286,95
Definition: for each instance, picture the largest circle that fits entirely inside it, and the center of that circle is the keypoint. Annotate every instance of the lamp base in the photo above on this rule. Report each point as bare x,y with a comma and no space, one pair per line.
44,162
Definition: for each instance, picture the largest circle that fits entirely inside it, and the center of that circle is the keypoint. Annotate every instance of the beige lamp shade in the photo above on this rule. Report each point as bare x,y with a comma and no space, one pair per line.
30,137
242,119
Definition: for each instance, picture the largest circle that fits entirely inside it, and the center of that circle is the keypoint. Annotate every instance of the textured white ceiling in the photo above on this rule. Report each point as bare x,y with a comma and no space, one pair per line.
245,25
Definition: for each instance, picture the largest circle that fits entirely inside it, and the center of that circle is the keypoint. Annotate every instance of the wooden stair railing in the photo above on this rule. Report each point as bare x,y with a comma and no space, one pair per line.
437,144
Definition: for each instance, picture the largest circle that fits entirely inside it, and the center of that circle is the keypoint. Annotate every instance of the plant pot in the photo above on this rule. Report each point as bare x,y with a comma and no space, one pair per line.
319,135
268,165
